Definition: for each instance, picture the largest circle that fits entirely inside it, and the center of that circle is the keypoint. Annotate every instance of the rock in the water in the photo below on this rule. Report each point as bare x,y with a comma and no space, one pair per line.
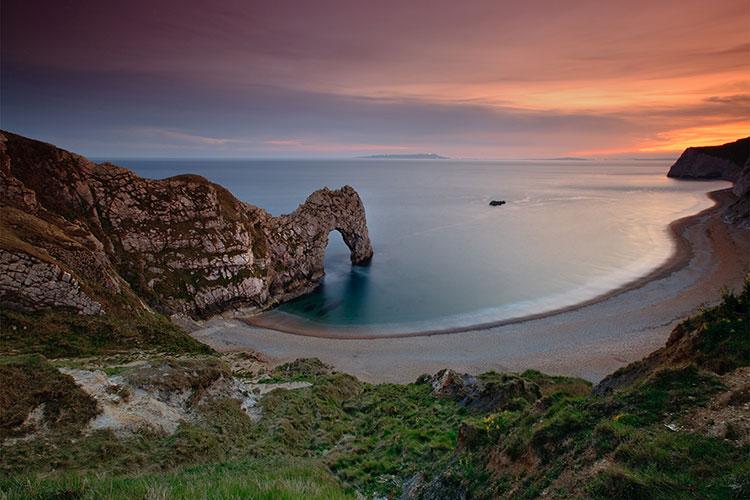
97,236
497,203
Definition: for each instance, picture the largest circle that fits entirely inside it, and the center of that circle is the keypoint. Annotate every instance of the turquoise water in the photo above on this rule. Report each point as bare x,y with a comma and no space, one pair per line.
571,230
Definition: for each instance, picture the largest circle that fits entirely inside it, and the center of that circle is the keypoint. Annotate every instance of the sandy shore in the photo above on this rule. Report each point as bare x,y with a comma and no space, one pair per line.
590,339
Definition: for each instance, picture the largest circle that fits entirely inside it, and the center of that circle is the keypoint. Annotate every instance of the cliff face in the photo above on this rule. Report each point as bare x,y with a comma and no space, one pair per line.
712,162
739,211
729,162
97,237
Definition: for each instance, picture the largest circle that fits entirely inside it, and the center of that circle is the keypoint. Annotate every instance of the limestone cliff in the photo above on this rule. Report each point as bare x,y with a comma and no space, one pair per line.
730,162
96,236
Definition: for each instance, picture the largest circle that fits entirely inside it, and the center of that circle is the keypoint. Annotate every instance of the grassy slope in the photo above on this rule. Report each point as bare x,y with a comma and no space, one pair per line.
60,333
369,436
619,445
341,435
253,479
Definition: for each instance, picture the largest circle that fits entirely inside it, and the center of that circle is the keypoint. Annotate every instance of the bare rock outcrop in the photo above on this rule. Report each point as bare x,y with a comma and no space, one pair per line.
180,245
297,241
29,283
488,392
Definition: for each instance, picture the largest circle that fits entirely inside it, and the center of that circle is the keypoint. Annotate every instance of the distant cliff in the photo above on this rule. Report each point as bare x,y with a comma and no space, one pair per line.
730,162
712,162
415,156
97,237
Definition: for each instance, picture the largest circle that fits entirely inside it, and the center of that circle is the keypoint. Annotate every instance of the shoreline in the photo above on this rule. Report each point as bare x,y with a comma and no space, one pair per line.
588,341
681,256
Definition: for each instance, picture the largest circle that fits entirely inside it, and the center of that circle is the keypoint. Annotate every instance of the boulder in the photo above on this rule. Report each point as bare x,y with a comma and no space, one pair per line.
488,392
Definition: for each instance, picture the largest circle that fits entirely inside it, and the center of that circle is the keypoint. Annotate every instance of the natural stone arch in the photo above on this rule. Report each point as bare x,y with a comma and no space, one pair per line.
299,242
181,245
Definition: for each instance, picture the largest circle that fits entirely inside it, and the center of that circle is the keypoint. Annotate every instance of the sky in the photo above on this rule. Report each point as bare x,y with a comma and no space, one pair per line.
342,78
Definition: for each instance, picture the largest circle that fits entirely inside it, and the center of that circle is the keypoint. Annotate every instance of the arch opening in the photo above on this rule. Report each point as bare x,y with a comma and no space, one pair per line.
337,252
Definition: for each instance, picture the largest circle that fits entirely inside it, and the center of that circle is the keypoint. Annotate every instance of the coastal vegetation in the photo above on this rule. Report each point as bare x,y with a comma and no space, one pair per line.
668,426
62,333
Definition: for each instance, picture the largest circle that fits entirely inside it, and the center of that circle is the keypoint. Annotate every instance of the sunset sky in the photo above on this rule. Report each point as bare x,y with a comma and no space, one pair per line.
478,79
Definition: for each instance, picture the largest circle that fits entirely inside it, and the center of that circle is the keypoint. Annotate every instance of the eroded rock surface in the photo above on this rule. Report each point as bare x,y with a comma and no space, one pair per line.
157,395
488,392
97,236
31,284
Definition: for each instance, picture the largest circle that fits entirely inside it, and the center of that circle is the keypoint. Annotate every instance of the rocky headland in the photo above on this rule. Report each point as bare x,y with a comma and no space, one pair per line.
730,162
98,238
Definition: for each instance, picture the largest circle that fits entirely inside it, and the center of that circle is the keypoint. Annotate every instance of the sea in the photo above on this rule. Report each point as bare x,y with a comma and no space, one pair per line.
570,230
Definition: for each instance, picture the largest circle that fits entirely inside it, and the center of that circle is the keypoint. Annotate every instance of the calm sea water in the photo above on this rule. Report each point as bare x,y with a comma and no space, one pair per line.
570,231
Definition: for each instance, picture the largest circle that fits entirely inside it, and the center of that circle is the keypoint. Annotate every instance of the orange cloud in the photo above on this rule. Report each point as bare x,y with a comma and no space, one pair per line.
487,78
679,139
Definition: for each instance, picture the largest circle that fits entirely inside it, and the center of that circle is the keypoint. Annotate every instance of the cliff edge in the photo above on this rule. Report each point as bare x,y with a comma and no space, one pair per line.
712,162
98,238
729,162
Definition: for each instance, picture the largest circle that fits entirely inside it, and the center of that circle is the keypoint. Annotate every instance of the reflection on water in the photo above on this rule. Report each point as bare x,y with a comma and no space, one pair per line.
343,292
443,257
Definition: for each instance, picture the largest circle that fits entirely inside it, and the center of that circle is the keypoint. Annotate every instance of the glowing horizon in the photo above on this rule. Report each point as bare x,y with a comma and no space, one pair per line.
485,79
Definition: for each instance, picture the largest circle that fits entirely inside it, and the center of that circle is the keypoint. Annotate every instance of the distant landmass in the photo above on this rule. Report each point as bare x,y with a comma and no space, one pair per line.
417,156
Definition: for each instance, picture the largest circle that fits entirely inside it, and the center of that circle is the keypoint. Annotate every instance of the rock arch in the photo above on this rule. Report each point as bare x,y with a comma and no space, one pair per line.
299,241
182,245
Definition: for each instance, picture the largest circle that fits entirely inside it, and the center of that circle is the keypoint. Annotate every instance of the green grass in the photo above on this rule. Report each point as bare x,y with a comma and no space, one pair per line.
253,479
341,435
30,382
396,431
60,333
667,391
371,437
551,384
531,449
644,459
656,463
725,340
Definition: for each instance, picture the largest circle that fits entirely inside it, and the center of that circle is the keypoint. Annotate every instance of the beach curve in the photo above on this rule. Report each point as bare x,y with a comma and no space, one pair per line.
708,255
680,257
